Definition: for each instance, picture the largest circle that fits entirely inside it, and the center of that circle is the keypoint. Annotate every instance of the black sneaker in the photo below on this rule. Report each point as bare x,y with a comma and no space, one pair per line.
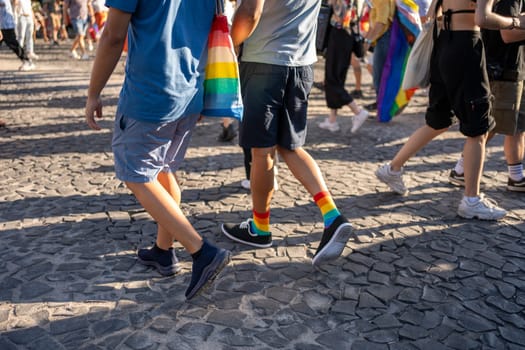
165,261
516,186
371,107
456,179
333,241
319,85
228,133
242,233
356,94
206,268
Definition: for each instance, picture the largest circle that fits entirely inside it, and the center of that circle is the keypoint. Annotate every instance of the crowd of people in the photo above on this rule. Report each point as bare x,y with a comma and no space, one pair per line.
55,21
476,79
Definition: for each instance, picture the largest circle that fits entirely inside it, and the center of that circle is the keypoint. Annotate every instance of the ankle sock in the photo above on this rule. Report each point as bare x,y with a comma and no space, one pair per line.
327,206
459,169
472,200
261,223
515,171
163,257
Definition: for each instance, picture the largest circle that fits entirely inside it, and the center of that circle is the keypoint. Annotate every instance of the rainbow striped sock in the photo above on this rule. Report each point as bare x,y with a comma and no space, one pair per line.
328,209
261,223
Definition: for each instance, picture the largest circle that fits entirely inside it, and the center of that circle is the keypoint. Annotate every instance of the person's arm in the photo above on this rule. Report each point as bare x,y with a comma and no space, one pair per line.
512,36
486,18
245,20
108,54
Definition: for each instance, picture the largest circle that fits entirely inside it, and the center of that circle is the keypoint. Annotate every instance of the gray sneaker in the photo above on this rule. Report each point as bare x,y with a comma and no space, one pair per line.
456,179
394,181
484,209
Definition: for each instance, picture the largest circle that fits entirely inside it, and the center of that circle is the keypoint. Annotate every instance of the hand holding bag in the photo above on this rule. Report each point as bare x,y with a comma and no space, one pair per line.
222,90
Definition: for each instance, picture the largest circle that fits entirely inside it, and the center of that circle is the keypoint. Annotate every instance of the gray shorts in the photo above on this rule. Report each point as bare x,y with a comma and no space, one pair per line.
143,149
275,105
509,107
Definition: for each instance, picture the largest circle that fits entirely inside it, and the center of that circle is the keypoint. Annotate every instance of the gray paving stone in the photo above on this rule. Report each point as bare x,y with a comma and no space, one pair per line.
230,318
514,335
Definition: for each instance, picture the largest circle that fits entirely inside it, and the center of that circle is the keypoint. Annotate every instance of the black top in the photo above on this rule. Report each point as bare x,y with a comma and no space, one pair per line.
505,61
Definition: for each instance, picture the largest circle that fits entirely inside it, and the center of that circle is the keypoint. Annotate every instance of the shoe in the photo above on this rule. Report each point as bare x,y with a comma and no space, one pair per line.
32,56
165,261
242,233
245,184
516,186
27,66
333,241
394,181
90,46
357,94
456,179
319,85
206,268
56,43
228,133
359,119
75,55
85,57
483,209
371,107
327,125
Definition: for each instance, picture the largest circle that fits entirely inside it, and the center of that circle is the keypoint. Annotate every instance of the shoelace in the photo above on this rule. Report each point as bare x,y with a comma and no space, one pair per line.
489,203
244,224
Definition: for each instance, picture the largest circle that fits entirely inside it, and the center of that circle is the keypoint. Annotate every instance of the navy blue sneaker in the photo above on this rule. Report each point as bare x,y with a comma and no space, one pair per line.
206,267
333,241
165,261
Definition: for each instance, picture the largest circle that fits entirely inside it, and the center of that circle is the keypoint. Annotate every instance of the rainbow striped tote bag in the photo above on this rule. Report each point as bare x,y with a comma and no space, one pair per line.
222,90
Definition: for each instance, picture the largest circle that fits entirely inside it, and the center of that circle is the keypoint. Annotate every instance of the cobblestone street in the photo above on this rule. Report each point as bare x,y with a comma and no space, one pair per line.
416,276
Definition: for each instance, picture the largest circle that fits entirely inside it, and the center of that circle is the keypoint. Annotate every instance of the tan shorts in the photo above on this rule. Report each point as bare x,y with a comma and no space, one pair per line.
509,107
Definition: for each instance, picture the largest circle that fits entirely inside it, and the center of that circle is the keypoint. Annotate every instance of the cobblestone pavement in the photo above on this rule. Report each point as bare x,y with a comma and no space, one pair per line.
416,277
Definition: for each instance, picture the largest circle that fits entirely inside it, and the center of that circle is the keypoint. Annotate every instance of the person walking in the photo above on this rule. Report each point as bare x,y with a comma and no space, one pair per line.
7,28
459,87
278,38
159,105
26,27
341,40
77,13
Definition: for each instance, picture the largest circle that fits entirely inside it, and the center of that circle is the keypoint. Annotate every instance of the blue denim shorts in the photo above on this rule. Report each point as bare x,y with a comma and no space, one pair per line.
143,149
79,25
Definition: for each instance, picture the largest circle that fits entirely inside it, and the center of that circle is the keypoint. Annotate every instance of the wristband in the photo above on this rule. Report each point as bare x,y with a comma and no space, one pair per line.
515,23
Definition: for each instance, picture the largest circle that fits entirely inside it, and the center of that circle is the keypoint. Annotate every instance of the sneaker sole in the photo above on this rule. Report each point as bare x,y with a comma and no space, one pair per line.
467,216
380,177
164,270
515,189
456,182
333,249
210,273
244,242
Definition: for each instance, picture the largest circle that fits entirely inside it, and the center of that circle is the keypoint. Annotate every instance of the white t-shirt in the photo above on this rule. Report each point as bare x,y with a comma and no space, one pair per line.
24,8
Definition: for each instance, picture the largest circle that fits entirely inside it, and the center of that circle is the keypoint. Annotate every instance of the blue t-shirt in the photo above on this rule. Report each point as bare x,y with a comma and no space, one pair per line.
7,20
166,58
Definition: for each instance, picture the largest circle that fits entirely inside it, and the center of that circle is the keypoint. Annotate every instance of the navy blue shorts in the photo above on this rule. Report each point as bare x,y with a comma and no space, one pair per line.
275,102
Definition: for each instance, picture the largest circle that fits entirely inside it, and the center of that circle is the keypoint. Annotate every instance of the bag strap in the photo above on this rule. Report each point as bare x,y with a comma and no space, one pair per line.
219,7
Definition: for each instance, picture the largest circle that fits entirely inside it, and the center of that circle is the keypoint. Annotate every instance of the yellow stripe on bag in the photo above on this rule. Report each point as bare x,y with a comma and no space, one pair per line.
221,70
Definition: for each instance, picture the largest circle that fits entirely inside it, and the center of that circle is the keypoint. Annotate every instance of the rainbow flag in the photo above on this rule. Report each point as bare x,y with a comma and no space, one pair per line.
392,99
222,91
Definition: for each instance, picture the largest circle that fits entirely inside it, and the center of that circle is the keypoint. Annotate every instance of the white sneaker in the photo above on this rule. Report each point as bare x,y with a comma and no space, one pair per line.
245,184
27,66
90,46
85,57
483,209
394,181
359,119
327,125
32,56
75,55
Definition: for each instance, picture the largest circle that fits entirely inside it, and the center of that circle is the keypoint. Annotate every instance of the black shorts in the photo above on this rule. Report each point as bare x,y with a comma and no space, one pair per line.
459,84
275,102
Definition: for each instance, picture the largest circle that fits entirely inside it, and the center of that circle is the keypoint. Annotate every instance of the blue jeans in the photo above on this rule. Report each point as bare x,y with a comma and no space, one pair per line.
379,59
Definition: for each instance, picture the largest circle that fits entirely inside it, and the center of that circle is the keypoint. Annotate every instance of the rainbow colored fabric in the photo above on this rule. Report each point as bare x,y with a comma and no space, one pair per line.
222,92
392,99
